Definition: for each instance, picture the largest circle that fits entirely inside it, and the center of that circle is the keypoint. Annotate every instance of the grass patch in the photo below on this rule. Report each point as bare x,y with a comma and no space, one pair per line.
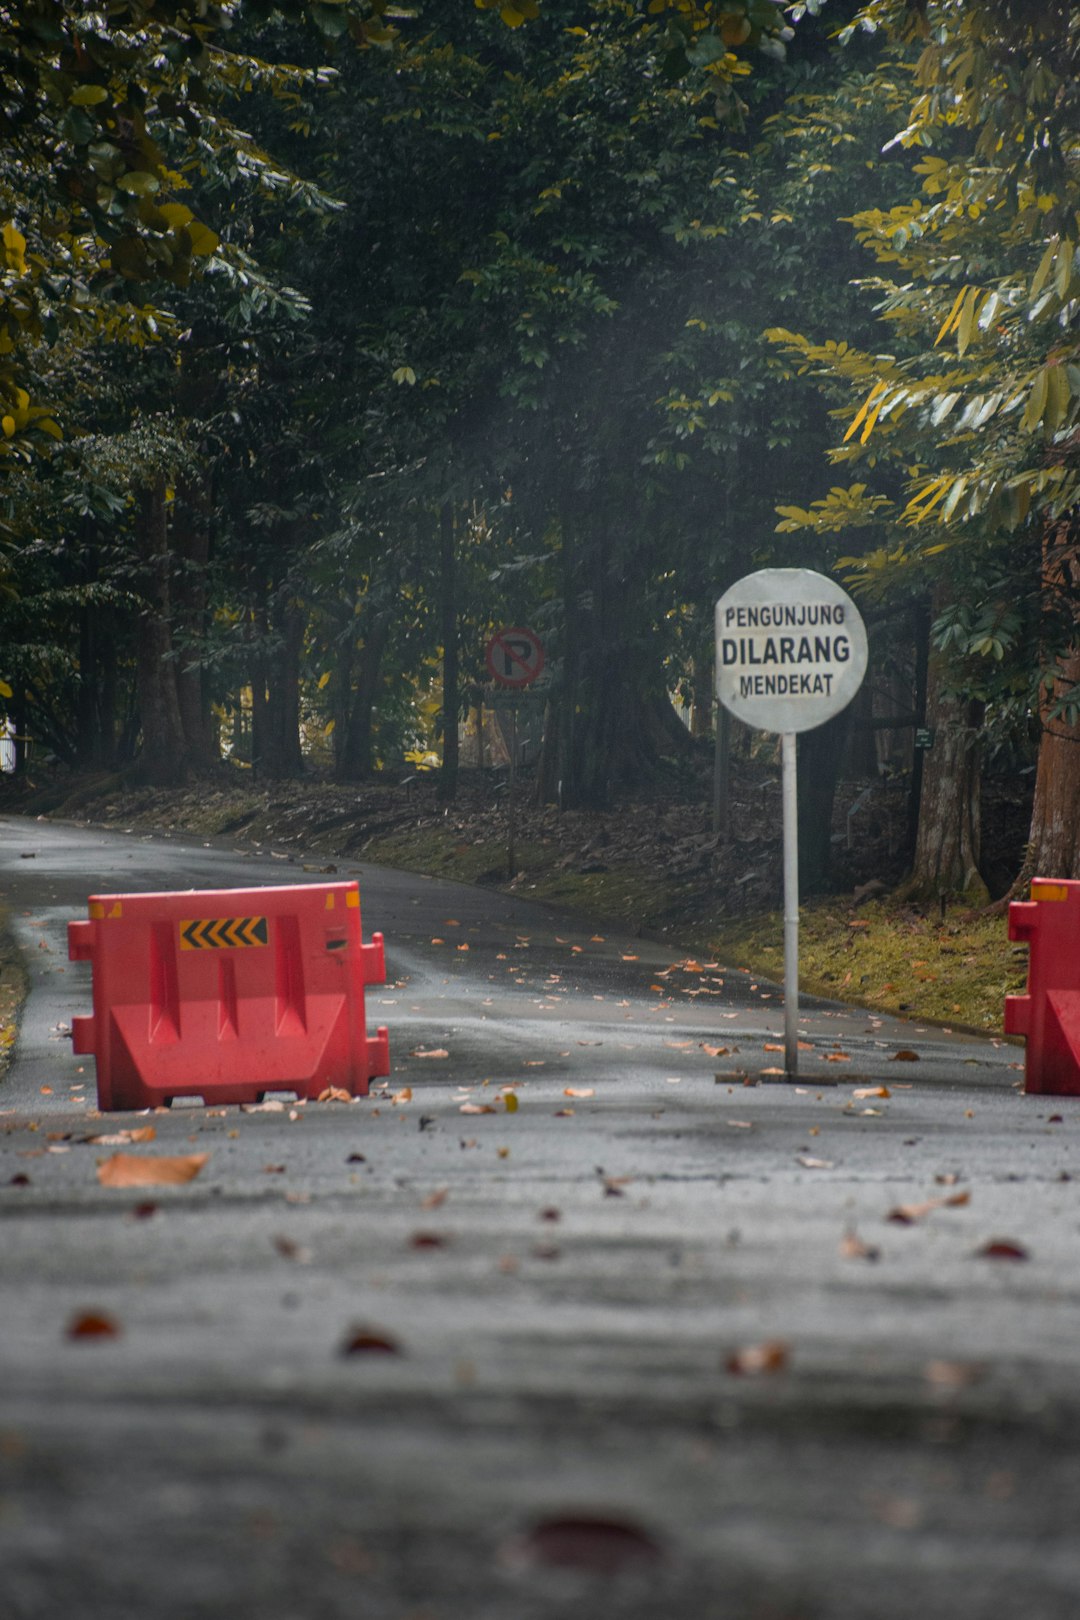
891,958
13,989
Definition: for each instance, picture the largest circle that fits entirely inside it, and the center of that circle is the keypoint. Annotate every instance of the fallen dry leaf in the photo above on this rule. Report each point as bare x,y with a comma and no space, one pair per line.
334,1094
436,1199
142,1133
563,1113
574,1091
953,1374
476,1108
93,1325
290,1250
905,1055
871,1091
1002,1249
774,1046
908,1214
852,1247
132,1170
836,1057
770,1357
596,1546
402,1096
363,1341
427,1240
436,1052
813,1164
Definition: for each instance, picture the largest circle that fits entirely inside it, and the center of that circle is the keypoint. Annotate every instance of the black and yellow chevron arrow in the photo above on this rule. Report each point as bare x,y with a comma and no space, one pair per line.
222,933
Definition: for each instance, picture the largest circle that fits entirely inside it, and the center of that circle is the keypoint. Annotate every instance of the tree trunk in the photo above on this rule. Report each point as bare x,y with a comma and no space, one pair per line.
947,843
191,543
1054,845
820,754
354,759
280,756
163,755
448,615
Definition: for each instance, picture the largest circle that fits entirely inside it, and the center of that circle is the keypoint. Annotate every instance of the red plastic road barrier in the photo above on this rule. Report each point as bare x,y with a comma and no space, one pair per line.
1049,1014
227,994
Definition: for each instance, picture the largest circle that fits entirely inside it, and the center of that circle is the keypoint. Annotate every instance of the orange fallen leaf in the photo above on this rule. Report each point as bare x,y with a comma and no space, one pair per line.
836,1057
872,1091
563,1113
770,1357
334,1094
435,1052
436,1199
476,1108
142,1133
576,1091
773,1046
131,1170
852,1247
402,1096
93,1325
908,1214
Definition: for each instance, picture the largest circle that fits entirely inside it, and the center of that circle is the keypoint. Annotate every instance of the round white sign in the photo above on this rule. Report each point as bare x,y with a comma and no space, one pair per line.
790,649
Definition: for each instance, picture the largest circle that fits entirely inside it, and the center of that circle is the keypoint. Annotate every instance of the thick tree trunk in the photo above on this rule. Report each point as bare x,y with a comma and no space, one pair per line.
354,759
280,755
448,615
947,843
96,703
163,756
191,543
820,754
1054,846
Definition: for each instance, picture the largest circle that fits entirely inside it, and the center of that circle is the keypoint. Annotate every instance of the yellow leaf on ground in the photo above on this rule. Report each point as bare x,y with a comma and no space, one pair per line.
133,1170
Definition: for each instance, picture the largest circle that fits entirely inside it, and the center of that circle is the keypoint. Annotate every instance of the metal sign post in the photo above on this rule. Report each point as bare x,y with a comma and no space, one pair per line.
514,657
790,653
790,793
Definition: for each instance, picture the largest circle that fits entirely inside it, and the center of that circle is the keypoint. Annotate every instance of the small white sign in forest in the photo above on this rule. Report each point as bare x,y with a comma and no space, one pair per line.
790,649
790,653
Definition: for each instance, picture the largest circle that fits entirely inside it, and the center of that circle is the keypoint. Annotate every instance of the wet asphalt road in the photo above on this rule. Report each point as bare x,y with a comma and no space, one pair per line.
564,1306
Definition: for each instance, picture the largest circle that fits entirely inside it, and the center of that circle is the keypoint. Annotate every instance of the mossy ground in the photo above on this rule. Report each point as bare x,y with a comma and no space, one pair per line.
650,868
954,968
13,987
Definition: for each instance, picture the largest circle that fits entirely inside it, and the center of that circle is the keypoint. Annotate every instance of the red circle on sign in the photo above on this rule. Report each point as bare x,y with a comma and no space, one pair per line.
515,656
